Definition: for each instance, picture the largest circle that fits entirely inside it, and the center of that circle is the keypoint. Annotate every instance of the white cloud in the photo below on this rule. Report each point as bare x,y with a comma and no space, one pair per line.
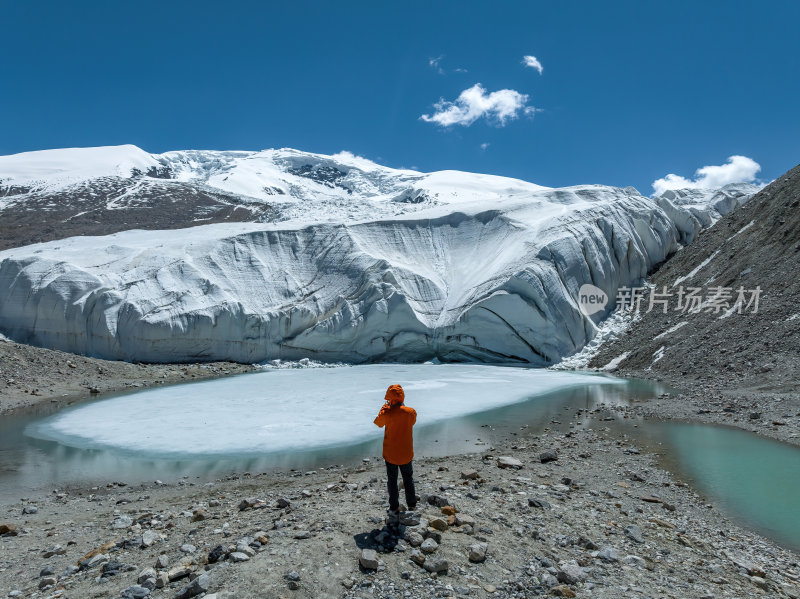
532,62
434,63
473,103
485,145
738,169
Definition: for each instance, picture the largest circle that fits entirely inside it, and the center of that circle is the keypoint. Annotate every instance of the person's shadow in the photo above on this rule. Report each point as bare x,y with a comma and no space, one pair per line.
382,540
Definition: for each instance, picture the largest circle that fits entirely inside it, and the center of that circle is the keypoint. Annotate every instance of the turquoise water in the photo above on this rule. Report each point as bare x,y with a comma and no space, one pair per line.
755,479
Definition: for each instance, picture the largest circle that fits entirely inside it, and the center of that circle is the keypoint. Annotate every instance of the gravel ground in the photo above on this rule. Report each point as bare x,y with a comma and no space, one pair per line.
602,520
31,375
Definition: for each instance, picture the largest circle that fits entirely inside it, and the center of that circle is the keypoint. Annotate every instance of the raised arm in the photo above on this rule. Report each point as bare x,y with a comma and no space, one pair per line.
380,420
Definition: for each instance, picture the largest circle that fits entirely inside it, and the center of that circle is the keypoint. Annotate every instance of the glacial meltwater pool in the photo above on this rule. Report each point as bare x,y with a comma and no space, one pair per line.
304,418
284,418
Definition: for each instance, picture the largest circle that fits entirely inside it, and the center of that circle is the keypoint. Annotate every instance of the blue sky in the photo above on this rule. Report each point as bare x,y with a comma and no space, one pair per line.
629,91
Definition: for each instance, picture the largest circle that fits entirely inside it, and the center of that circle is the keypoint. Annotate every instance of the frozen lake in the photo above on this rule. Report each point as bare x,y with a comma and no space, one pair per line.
286,410
285,418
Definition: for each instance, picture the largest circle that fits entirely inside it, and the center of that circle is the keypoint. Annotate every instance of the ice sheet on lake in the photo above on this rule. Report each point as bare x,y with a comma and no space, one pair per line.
289,410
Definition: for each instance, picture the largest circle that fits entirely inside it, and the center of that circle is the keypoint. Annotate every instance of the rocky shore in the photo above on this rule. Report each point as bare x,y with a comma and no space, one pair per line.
33,376
568,512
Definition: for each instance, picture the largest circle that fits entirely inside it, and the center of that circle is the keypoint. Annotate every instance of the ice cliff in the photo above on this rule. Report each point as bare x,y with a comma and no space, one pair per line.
479,268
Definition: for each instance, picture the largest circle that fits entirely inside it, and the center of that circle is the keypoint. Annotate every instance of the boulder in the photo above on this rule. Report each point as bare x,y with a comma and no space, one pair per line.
477,552
509,462
436,564
551,455
198,586
368,559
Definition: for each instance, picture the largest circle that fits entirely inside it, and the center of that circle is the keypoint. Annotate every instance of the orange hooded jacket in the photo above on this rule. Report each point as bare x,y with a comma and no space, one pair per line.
398,441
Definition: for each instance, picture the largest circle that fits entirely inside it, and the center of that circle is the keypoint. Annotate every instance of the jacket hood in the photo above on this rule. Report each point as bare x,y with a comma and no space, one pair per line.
395,395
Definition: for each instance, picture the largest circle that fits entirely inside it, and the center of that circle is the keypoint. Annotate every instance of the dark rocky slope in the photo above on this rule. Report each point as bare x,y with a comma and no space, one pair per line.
744,364
112,204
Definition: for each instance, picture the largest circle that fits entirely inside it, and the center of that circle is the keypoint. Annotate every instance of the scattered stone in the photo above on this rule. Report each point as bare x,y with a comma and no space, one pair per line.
292,580
237,557
302,534
538,503
760,582
188,548
114,568
122,521
608,554
251,503
47,581
571,573
149,537
432,533
438,501
650,499
283,502
449,510
8,529
551,455
477,552
178,572
30,509
750,568
436,564
509,462
634,533
162,562
135,592
197,586
46,571
243,546
634,560
417,557
562,590
429,546
199,515
145,574
216,554
470,475
368,559
414,538
54,550
438,524
94,561
464,520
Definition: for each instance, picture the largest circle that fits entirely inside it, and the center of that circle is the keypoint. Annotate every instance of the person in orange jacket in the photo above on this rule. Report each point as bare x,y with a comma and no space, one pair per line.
398,445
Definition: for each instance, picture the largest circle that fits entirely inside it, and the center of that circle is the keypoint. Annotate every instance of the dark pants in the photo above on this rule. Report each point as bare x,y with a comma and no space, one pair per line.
408,482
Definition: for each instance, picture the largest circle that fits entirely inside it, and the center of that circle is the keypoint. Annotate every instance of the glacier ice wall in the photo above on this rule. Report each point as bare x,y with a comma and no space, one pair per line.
492,281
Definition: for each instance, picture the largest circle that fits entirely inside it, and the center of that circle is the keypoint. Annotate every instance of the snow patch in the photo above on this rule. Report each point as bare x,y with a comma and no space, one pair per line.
613,364
742,230
657,355
696,269
670,330
608,330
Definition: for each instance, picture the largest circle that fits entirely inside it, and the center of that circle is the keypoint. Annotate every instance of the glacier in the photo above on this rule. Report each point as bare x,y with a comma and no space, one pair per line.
469,267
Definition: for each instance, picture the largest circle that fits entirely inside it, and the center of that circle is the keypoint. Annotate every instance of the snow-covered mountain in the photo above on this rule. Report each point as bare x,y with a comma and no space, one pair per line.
53,194
344,259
